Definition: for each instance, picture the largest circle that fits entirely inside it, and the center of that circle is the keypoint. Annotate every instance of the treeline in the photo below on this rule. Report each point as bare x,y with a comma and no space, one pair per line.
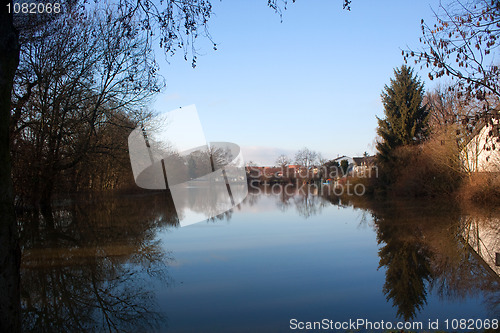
83,82
308,166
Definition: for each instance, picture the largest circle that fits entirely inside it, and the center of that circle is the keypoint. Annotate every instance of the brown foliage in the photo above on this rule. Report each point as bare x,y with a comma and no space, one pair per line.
427,170
482,188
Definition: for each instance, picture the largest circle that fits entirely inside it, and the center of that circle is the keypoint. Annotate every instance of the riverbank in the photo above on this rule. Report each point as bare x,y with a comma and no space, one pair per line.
481,189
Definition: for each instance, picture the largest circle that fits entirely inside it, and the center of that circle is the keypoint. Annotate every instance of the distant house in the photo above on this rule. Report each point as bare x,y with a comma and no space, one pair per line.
335,172
482,153
363,165
292,171
358,166
273,172
342,158
254,173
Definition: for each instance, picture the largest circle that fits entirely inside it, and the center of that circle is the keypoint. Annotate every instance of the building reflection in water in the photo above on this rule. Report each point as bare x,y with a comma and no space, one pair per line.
482,234
434,247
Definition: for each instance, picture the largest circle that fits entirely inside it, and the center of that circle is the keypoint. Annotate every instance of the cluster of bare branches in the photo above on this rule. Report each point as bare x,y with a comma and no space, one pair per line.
177,22
81,78
462,44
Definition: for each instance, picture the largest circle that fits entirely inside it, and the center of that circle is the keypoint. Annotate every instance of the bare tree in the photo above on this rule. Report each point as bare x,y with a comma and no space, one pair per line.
10,257
72,90
306,158
283,161
461,44
443,105
321,160
458,138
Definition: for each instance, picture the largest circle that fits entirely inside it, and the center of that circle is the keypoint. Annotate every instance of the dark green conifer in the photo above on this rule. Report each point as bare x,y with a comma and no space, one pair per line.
406,117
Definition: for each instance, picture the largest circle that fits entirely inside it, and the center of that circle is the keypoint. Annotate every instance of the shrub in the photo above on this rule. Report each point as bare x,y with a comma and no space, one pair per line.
429,169
482,188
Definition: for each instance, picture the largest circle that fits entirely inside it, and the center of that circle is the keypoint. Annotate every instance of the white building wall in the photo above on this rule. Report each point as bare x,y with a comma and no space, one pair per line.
482,153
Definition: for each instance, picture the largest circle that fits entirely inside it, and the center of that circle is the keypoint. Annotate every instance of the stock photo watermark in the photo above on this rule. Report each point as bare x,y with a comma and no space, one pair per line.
171,152
327,324
322,179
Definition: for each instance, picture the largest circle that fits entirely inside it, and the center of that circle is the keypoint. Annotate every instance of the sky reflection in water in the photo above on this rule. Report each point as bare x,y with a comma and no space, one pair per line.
125,264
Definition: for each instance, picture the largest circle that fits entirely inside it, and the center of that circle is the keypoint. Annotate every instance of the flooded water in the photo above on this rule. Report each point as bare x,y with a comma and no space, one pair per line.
276,263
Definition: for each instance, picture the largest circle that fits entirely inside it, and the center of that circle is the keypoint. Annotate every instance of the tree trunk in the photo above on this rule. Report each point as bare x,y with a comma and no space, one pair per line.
10,311
47,189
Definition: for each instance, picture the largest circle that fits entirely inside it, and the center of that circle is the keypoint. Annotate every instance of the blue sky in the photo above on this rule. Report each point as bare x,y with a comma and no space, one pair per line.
313,80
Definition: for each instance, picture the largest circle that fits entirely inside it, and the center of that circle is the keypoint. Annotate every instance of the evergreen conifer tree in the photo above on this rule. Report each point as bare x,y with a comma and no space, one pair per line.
406,118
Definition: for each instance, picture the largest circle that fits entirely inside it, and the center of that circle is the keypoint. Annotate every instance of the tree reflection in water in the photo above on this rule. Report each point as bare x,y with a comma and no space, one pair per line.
425,247
407,259
90,265
304,199
435,246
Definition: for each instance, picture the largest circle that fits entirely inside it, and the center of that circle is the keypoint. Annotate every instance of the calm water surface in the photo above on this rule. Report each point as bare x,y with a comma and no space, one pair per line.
123,264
